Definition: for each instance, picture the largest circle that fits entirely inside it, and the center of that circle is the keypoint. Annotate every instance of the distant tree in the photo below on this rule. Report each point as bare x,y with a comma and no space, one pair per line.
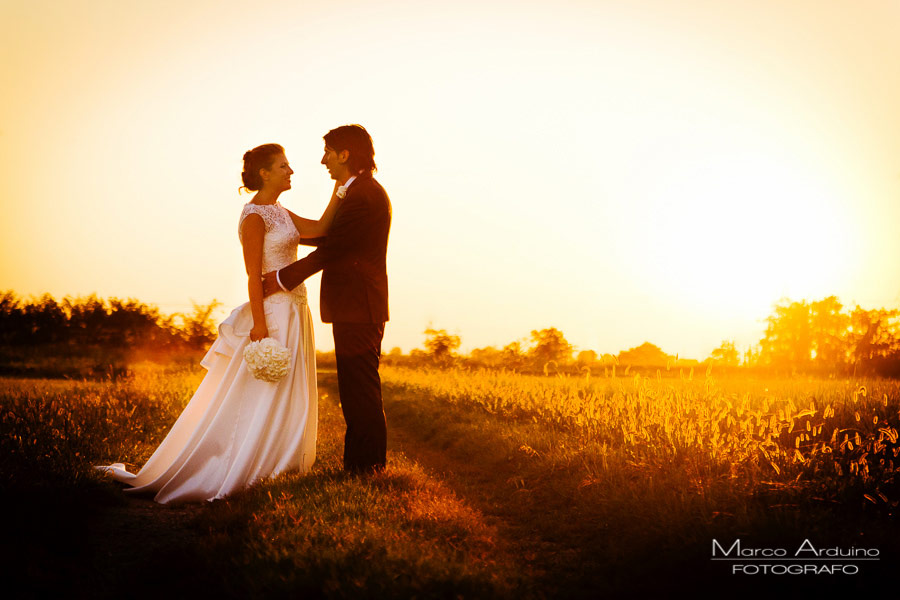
87,319
394,357
829,326
549,345
11,320
608,360
44,321
821,336
133,323
199,328
91,321
586,358
513,356
789,339
440,345
751,356
874,340
419,357
726,355
9,303
489,356
645,355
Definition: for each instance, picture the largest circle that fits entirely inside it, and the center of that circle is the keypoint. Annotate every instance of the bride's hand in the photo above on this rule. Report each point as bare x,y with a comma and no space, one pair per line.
258,332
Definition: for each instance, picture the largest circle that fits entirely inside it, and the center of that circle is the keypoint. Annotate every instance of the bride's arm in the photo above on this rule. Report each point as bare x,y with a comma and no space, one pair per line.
252,232
313,229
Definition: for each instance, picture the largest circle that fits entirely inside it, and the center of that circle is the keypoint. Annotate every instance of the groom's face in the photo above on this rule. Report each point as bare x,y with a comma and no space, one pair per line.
336,163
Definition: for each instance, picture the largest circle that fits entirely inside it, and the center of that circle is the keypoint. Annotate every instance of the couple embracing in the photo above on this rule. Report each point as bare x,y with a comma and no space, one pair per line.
243,424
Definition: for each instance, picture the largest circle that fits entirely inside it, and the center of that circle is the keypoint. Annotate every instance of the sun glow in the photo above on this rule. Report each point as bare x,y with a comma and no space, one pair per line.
738,232
623,174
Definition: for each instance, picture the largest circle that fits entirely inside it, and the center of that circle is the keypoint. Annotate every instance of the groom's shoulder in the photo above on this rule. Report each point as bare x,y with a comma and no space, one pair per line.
370,188
378,187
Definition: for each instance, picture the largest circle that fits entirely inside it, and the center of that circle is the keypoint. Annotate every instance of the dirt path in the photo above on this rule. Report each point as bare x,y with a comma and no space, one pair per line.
550,529
492,486
479,489
141,541
158,546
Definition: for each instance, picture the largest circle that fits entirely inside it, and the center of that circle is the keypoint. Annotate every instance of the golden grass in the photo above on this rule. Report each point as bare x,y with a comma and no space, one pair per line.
570,484
844,431
400,534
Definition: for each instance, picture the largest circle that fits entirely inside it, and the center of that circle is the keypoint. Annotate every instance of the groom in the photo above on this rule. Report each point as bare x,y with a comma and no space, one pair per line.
354,291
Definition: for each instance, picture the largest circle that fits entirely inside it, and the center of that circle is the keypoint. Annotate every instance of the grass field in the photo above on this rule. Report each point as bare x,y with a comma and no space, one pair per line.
499,485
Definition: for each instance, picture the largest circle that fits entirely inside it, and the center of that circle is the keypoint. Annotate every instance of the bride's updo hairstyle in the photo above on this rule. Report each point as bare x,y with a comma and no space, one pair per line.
260,157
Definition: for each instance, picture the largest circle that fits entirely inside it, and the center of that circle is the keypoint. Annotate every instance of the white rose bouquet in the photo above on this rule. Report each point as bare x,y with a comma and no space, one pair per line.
267,359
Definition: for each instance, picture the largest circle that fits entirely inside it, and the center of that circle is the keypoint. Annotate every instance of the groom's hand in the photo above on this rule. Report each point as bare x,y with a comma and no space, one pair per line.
270,284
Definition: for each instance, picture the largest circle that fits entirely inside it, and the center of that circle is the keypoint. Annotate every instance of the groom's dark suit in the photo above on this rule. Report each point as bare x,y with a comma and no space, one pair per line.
354,298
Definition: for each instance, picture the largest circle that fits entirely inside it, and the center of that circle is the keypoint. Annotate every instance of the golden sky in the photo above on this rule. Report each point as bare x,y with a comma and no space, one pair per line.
623,170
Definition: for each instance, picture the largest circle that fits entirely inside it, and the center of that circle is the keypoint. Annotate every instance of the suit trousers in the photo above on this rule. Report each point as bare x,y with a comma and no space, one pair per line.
357,349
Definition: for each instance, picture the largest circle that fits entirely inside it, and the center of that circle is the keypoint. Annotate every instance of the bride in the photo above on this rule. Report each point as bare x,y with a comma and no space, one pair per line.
237,429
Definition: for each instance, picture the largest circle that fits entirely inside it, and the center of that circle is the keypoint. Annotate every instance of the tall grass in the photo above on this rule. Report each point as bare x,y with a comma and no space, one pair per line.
629,479
52,430
577,486
69,530
844,432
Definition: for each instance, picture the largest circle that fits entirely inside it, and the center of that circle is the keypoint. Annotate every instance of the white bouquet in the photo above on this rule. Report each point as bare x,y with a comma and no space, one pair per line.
267,359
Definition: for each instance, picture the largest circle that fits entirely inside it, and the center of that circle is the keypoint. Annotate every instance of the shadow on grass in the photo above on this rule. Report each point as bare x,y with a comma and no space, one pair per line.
394,535
70,532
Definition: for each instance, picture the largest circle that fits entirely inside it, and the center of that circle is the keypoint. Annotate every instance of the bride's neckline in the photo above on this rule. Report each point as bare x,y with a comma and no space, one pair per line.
258,204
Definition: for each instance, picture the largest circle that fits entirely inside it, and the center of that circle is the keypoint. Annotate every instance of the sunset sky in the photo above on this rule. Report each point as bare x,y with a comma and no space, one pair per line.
622,170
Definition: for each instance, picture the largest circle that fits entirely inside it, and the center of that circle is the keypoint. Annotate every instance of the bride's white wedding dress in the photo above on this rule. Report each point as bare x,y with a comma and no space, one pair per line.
237,429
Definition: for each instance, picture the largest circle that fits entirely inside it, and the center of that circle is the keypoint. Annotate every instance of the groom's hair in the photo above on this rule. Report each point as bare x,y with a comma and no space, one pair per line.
358,142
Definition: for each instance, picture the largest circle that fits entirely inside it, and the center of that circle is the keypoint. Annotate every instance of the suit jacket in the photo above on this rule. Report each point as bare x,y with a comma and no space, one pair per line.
351,257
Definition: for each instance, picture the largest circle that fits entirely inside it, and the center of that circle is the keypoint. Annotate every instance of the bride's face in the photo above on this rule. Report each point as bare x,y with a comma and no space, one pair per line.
278,176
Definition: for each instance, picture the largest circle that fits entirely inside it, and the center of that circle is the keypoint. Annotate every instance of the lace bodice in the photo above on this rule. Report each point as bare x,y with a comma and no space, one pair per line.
281,238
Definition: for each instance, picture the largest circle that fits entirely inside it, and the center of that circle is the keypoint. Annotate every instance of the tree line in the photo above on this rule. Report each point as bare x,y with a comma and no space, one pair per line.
92,321
812,337
817,337
824,337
